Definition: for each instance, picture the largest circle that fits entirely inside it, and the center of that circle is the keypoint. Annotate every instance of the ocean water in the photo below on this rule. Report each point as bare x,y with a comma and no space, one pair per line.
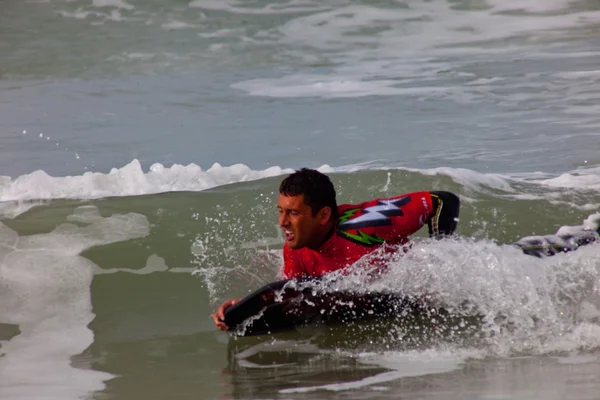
142,144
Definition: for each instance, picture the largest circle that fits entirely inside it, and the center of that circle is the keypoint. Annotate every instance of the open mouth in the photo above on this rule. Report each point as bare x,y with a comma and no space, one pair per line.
289,236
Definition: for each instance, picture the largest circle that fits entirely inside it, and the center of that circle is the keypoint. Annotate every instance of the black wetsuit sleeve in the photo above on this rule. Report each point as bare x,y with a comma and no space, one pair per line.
444,219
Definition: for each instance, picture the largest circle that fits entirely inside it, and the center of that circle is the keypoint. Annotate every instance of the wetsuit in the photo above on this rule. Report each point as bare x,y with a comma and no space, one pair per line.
361,228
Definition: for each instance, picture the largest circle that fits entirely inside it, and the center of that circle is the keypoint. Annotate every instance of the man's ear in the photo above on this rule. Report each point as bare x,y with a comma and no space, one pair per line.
324,215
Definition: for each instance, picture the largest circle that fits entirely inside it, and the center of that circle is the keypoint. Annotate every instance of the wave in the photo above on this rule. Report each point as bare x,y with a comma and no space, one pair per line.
132,180
129,180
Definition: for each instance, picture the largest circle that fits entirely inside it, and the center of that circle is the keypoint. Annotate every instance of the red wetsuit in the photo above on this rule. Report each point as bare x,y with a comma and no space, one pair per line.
361,228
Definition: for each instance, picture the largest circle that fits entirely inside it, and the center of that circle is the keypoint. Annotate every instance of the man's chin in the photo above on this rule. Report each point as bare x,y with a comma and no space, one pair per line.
292,244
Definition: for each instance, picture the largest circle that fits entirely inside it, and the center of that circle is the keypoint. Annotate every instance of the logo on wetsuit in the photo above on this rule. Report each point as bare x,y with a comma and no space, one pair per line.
378,215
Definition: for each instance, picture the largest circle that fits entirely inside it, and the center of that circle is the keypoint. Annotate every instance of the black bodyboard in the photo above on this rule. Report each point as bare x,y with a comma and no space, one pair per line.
296,303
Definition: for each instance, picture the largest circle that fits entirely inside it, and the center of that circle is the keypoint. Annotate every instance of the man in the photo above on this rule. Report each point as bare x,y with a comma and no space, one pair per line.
322,237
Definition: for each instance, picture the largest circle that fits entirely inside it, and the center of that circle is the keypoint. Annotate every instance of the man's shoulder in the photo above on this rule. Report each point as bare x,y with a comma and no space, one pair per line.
380,200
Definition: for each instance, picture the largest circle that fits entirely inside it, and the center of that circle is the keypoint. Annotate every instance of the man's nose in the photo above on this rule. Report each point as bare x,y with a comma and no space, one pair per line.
283,219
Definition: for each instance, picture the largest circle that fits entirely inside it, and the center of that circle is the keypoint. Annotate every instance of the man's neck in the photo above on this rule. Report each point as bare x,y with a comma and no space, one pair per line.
325,238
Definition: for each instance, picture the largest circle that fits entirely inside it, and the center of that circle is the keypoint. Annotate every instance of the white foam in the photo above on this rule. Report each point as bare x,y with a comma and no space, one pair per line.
102,11
407,40
330,87
129,180
485,81
153,264
173,24
221,33
579,74
465,177
114,15
46,292
584,337
139,56
241,7
26,191
584,179
112,3
472,179
581,179
79,14
591,223
528,305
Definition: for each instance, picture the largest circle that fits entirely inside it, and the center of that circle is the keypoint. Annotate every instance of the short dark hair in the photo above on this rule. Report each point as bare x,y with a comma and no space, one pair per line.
316,187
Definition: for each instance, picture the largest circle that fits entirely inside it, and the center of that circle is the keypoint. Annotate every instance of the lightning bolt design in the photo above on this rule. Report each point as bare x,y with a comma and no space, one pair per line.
377,215
348,214
362,238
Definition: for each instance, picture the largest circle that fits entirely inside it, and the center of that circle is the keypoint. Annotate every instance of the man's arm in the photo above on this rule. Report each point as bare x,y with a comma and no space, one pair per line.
397,218
444,218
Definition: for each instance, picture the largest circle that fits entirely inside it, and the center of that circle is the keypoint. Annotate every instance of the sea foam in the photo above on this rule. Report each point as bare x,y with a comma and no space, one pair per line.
46,293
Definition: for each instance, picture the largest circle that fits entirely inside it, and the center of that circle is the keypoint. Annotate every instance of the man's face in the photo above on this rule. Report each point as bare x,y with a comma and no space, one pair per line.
296,219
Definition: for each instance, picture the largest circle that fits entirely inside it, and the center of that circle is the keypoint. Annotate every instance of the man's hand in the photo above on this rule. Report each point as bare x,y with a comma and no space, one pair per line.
219,315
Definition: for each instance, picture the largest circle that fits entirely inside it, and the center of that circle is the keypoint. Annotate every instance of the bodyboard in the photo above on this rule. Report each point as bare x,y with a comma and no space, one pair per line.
295,303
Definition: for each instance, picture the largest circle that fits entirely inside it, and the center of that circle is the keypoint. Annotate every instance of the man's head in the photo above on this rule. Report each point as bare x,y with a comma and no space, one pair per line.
307,208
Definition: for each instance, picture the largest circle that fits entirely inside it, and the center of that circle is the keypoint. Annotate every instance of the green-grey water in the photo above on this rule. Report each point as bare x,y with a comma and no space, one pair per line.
142,144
